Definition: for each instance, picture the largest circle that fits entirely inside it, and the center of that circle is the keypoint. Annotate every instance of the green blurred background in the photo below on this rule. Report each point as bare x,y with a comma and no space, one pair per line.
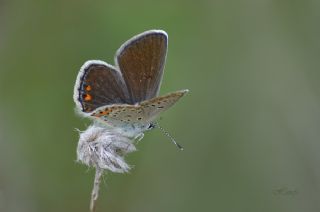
250,125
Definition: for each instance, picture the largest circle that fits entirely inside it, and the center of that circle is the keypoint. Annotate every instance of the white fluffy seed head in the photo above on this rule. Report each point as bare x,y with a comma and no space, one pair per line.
102,148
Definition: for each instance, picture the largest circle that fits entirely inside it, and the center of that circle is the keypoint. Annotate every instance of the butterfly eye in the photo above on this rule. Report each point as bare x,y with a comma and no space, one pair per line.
151,126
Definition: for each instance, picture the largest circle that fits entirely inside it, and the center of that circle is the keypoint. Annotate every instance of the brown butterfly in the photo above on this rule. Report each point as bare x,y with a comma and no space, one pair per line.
125,97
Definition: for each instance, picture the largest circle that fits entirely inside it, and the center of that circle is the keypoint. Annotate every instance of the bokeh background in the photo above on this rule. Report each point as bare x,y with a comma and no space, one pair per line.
250,125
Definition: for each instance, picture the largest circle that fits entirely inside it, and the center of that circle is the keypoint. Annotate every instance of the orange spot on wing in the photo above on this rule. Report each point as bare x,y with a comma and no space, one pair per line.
103,113
87,97
88,88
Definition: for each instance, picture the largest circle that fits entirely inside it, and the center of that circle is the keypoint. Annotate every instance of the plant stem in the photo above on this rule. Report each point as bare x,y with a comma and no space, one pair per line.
95,189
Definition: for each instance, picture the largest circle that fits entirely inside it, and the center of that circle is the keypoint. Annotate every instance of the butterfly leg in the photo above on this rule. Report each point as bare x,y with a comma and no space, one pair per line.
139,137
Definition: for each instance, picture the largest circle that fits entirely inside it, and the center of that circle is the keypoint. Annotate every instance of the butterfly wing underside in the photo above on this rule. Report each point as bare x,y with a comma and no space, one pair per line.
142,113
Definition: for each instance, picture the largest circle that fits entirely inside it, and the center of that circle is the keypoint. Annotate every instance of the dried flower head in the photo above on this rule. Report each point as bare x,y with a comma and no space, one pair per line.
104,149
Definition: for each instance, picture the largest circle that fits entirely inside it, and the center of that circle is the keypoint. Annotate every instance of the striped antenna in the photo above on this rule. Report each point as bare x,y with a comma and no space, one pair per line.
155,124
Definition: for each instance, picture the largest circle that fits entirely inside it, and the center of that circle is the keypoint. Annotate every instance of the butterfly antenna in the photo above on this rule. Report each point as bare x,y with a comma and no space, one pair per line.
168,135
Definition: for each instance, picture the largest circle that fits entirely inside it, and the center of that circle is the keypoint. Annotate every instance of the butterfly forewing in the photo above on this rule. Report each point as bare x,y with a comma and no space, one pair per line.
99,84
153,107
141,61
142,113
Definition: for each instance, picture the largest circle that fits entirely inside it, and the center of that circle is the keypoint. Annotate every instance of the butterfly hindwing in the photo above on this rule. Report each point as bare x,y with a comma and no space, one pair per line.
99,84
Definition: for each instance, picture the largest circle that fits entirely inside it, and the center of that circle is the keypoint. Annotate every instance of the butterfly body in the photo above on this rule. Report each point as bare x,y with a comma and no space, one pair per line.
125,129
124,97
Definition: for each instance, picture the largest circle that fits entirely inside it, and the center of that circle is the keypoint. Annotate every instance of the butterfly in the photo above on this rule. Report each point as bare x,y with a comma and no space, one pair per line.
124,97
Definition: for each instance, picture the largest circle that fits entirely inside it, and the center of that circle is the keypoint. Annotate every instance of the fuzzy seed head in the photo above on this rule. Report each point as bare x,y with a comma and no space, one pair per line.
104,149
